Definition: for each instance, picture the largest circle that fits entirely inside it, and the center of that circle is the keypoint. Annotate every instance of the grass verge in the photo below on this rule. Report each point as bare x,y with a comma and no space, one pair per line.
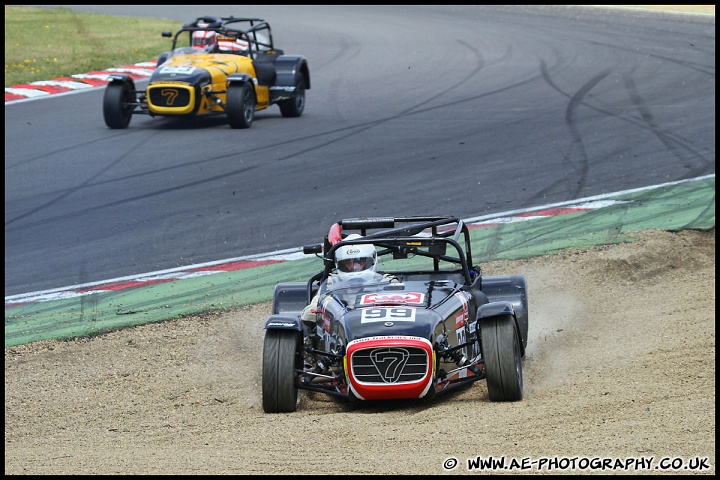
46,43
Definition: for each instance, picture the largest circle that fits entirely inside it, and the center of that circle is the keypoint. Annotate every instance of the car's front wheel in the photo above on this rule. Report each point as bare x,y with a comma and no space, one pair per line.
280,357
294,106
501,353
240,108
118,105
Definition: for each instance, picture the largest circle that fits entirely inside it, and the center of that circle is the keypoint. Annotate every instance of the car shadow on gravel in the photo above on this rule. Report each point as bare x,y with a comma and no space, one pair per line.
320,402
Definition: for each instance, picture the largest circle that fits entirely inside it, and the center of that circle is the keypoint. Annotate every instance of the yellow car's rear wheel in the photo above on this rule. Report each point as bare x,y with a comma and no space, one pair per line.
294,107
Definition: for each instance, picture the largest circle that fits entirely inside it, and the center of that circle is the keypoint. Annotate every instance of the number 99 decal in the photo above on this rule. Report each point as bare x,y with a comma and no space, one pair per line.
370,315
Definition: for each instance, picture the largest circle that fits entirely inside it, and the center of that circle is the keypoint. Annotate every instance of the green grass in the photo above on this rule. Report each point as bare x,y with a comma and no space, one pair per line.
46,43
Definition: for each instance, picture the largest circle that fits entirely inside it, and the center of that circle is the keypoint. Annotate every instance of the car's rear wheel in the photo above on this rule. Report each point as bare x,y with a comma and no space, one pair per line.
501,353
240,108
294,106
117,105
280,358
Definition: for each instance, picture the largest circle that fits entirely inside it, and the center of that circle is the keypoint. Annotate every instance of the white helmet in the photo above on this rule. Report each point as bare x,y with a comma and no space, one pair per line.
206,39
356,261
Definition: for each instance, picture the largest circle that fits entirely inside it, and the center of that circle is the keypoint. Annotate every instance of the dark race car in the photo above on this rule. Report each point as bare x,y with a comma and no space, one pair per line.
226,66
429,322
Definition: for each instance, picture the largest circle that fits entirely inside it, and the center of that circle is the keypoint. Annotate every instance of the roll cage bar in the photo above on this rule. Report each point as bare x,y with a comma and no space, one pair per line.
401,236
223,26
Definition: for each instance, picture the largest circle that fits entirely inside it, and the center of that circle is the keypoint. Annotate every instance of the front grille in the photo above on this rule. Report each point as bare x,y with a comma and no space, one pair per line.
383,365
170,97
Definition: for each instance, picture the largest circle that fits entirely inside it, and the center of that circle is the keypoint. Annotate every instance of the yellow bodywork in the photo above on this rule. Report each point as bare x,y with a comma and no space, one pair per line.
176,96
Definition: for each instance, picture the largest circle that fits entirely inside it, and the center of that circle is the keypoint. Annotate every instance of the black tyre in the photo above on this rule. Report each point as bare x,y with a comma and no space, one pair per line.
279,393
118,105
501,352
294,107
240,108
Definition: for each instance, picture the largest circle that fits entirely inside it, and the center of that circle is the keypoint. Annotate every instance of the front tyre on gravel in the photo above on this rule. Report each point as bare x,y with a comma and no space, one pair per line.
294,107
118,105
501,353
280,357
240,107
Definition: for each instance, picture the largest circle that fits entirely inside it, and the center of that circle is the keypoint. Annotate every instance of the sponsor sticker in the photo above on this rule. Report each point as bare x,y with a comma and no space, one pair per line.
177,69
462,317
280,324
399,297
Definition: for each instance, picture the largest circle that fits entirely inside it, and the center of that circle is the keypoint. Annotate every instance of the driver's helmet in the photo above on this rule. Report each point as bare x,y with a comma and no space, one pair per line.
355,261
206,39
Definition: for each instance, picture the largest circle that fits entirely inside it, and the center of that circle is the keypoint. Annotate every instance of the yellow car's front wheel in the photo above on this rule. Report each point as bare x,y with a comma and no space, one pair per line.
118,105
240,105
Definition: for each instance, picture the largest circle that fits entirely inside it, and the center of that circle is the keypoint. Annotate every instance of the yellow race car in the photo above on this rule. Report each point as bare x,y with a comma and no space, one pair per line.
217,65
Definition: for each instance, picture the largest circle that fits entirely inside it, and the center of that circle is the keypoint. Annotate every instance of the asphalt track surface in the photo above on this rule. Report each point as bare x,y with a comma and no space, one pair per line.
464,110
